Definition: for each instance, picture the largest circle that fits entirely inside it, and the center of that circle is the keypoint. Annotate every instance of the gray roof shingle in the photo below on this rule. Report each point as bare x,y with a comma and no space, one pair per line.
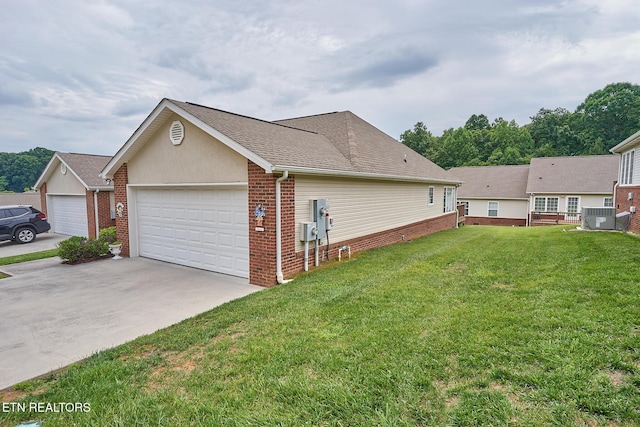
340,141
573,175
487,182
87,167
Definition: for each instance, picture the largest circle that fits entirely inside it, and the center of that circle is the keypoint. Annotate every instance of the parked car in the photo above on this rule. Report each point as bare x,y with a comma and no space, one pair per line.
21,223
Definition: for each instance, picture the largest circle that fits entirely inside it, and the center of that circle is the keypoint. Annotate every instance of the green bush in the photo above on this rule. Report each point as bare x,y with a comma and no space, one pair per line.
77,249
108,235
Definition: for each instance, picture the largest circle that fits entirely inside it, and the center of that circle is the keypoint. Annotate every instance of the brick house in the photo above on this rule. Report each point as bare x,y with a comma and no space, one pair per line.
627,189
77,201
224,192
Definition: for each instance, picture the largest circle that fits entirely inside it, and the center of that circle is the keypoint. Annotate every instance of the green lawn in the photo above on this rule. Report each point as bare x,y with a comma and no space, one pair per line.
477,326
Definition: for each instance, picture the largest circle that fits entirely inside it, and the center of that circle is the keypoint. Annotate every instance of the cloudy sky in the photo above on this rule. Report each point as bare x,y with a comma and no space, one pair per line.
81,75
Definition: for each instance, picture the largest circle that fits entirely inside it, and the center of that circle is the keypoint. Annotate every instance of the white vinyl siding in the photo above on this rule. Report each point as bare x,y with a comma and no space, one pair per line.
627,167
361,207
508,208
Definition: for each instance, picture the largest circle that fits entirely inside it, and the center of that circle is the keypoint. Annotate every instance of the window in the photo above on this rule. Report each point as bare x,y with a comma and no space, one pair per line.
572,204
626,172
545,204
448,200
430,195
493,209
466,208
608,202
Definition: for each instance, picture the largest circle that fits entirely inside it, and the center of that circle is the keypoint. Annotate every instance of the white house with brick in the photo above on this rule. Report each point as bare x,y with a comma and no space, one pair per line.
627,189
192,181
77,201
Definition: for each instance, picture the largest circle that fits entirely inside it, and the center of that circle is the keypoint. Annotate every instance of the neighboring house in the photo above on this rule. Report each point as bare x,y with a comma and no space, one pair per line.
192,181
550,190
493,195
30,198
77,201
627,189
559,187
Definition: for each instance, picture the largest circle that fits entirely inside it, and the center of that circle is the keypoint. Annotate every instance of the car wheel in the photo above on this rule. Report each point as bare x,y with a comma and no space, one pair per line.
25,235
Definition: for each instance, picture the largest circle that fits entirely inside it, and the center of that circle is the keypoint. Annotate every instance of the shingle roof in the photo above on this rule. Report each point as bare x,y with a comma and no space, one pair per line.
86,166
335,143
573,175
368,149
492,182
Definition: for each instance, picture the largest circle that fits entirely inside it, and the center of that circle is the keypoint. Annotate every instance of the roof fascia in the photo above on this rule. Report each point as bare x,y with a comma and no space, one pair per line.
365,175
48,172
119,158
617,149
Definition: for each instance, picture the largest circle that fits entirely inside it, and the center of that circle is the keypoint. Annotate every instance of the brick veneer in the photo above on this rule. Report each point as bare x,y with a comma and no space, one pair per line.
376,240
120,181
104,211
43,198
624,204
481,220
262,244
91,213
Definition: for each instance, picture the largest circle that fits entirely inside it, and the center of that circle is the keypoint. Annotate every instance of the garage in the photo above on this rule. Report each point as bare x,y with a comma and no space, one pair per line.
68,215
204,228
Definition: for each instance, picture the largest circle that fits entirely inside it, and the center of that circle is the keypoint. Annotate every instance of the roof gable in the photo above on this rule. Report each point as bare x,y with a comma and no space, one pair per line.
85,167
573,175
335,143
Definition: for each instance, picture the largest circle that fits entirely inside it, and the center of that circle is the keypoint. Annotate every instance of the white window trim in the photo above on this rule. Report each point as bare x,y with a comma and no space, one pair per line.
431,195
577,207
497,209
604,202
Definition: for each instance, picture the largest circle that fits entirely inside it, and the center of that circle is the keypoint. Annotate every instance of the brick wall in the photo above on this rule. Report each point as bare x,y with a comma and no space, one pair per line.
376,240
91,213
624,204
104,210
481,220
43,198
120,181
262,244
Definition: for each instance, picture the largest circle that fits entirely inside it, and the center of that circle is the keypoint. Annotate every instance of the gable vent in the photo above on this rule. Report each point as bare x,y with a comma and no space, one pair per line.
176,132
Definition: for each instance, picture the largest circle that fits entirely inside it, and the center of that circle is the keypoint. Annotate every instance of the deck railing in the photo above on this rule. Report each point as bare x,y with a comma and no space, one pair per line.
554,218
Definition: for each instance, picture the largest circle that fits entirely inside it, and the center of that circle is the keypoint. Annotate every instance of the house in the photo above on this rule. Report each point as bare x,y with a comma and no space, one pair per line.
627,189
215,190
77,201
550,190
559,187
493,195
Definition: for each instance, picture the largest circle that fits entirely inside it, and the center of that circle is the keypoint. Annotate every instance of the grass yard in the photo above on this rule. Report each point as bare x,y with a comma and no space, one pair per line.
472,327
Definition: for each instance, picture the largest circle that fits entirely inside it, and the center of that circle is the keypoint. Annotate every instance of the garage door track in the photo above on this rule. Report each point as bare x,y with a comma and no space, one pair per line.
54,314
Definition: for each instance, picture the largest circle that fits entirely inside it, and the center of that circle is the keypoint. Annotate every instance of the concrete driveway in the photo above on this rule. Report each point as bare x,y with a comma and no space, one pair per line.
42,242
52,314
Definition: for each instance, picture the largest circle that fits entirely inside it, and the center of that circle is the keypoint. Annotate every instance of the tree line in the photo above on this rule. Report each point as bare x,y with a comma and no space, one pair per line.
20,171
605,118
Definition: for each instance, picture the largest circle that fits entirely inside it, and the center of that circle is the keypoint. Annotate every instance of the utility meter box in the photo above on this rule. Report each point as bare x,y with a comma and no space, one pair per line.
308,231
319,212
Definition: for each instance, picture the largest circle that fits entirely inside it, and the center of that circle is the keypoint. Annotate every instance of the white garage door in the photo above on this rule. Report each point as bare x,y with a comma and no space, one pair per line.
68,215
200,228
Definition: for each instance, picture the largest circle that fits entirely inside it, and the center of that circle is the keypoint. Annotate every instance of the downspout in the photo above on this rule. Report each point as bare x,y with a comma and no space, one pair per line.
95,211
279,274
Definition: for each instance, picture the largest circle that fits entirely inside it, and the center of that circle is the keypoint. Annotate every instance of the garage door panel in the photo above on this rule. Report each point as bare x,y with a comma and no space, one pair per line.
69,215
205,229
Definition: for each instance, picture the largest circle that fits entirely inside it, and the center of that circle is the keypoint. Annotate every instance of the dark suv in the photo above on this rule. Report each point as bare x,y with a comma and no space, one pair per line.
21,223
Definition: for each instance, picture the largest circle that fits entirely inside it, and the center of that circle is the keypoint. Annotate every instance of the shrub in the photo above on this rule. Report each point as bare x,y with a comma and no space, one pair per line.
78,249
108,235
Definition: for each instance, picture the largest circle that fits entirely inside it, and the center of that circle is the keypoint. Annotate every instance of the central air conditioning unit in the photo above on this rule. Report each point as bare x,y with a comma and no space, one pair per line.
599,218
